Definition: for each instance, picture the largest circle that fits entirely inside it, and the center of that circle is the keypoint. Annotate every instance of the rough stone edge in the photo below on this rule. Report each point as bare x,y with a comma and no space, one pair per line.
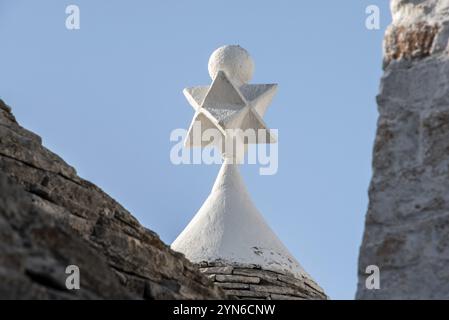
257,283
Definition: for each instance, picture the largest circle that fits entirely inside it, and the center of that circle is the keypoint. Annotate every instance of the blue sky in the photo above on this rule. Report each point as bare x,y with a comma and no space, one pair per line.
107,96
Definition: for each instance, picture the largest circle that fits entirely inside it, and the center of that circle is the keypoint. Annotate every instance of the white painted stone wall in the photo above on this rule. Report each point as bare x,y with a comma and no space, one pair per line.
229,229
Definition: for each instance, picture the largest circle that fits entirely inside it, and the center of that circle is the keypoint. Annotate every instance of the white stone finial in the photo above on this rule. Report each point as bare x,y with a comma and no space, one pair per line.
228,226
234,61
230,102
228,229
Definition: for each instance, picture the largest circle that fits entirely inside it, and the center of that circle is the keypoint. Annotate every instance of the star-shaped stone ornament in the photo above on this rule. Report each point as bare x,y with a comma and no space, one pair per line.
230,103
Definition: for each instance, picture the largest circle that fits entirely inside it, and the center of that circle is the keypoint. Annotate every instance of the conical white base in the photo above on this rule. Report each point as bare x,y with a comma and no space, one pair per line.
229,228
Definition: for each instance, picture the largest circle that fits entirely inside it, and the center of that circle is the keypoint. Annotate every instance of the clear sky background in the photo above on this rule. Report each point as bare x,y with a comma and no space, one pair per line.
107,96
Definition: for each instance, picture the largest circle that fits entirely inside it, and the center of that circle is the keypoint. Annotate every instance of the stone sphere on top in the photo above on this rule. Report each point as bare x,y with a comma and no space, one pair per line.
235,61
